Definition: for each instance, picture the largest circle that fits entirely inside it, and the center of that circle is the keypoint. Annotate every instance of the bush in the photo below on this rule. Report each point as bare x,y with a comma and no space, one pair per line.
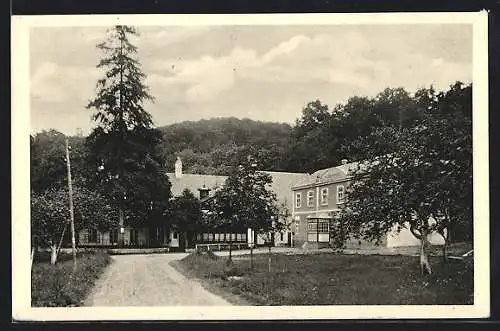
57,285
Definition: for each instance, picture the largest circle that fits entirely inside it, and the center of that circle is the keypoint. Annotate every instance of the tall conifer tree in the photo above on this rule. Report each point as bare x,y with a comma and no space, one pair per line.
124,144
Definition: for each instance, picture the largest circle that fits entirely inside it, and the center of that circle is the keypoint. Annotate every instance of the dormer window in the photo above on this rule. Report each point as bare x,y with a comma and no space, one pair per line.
310,198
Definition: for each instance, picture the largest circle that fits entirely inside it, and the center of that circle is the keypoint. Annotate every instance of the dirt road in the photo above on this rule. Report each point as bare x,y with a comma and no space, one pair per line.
149,280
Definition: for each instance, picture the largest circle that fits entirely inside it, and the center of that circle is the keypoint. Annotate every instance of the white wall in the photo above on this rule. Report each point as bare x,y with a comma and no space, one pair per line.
406,238
174,242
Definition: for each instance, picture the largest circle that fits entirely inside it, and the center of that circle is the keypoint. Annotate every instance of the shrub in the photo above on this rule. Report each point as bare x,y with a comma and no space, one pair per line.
57,285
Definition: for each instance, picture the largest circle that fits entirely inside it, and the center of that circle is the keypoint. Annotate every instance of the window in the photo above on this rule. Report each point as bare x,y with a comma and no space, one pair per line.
310,198
340,194
298,200
217,237
324,196
174,235
317,227
323,227
281,236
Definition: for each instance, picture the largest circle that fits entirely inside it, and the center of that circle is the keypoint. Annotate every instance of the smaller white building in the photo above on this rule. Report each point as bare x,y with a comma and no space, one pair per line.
406,238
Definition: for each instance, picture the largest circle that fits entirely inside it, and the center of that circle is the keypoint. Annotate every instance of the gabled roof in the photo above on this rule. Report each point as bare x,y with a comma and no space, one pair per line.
194,182
281,185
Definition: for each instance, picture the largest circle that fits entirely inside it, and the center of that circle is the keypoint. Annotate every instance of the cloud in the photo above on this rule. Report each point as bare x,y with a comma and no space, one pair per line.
158,37
299,59
55,83
242,72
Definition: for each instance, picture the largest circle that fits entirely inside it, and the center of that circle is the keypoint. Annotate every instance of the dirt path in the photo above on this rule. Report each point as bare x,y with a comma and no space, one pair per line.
149,280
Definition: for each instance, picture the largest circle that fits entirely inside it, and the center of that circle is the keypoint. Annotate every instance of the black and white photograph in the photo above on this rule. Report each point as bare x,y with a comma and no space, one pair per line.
250,166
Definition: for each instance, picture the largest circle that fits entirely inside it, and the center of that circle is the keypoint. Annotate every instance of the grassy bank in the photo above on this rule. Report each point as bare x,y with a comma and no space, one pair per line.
57,286
327,279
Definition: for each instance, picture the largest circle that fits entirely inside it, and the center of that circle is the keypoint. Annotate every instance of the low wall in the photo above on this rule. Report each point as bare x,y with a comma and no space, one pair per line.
122,251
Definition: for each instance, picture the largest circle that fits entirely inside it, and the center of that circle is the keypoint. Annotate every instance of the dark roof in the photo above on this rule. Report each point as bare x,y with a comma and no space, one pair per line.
329,175
194,182
281,185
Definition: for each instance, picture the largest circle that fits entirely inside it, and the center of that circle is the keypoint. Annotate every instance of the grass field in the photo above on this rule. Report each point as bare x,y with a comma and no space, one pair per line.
328,279
57,286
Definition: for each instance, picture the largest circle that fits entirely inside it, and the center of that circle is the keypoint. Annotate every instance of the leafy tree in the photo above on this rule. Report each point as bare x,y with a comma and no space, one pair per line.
47,160
449,122
311,146
186,215
391,190
417,177
394,106
246,201
323,137
50,215
124,145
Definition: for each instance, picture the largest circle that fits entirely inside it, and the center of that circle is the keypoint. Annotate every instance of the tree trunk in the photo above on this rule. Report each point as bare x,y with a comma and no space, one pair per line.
445,245
251,256
269,258
425,266
61,240
445,251
186,244
53,254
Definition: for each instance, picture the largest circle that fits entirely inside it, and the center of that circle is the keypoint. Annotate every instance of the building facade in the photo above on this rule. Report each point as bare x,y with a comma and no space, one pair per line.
203,186
317,201
313,201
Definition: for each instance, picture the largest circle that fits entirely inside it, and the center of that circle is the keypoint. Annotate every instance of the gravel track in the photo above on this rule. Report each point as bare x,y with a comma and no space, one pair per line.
149,280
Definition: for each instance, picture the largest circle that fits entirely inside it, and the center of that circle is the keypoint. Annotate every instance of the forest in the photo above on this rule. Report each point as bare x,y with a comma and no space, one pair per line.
320,138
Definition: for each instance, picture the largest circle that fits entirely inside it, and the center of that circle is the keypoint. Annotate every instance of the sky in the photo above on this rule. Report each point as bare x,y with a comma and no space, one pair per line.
266,73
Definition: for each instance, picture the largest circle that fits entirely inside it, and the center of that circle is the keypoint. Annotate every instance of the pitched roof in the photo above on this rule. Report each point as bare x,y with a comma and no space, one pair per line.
281,185
194,182
332,174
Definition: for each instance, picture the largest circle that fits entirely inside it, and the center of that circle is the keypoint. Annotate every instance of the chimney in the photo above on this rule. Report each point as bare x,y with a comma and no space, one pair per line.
178,168
344,161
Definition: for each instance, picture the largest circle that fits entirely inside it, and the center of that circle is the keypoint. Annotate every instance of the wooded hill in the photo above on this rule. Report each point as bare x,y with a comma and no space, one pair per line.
212,146
320,138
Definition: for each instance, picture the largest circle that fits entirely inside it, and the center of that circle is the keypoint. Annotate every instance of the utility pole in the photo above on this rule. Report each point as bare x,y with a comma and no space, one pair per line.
71,214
